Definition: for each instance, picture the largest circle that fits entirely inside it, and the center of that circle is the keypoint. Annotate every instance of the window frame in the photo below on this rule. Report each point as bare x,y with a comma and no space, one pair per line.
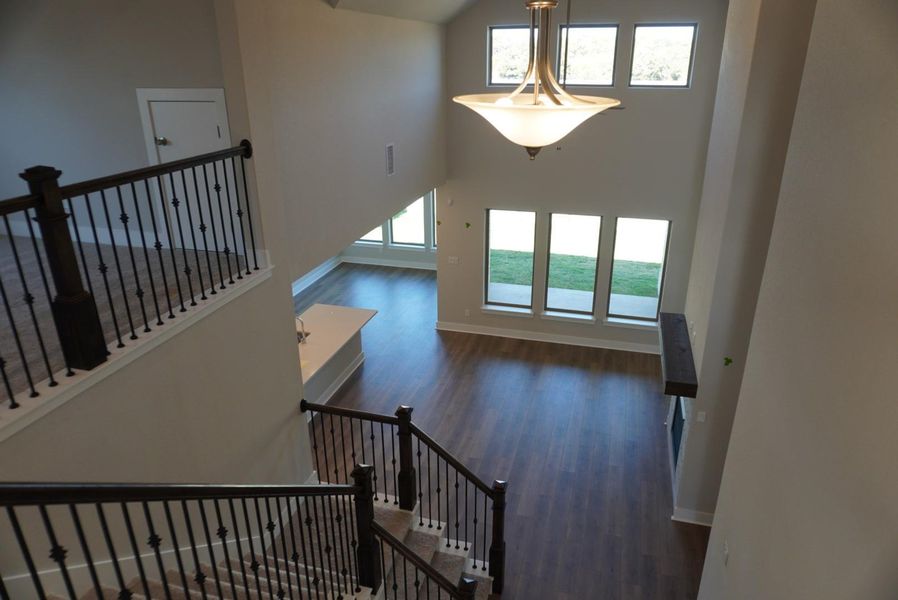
559,57
369,243
389,227
636,26
608,313
486,260
595,282
489,55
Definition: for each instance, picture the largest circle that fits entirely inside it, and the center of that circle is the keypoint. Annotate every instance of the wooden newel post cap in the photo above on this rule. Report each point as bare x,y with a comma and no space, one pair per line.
40,173
500,486
404,411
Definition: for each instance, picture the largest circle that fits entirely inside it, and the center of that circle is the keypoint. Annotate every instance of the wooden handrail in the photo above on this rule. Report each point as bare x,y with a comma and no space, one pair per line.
348,412
14,205
447,456
26,494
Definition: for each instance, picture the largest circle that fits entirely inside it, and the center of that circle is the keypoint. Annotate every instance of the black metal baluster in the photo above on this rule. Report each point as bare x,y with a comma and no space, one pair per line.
262,547
85,550
446,464
249,214
308,553
362,442
57,552
28,298
212,223
254,564
277,507
5,594
323,551
154,541
224,176
327,511
124,592
128,527
176,548
222,533
239,213
429,494
342,541
118,264
327,468
236,525
158,245
474,539
383,567
343,448
393,462
465,545
26,554
439,509
295,555
334,447
171,247
212,562
484,547
349,520
146,253
198,576
395,574
202,227
383,465
175,202
196,249
456,509
18,339
221,222
315,447
7,385
352,441
102,267
374,461
124,218
420,488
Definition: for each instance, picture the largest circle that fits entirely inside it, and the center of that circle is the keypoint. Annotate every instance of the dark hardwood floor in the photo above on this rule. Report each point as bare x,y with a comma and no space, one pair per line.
577,432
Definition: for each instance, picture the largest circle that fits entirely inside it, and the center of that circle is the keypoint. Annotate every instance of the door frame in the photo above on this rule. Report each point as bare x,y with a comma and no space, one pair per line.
147,95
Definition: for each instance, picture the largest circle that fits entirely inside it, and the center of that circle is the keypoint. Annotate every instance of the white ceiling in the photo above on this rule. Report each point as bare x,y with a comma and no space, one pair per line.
433,11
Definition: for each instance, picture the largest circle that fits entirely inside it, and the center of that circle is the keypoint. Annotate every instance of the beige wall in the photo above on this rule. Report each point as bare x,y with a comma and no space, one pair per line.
809,499
761,67
646,161
68,74
327,90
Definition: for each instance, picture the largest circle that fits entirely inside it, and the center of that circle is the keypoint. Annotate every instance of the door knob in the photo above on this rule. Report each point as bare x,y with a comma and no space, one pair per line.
161,141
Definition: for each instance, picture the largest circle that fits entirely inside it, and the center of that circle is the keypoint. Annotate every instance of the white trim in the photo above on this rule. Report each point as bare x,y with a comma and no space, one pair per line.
51,398
389,262
555,315
631,323
506,311
552,338
695,517
315,274
344,375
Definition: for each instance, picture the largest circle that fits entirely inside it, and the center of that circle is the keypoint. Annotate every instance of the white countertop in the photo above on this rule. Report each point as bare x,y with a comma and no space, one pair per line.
330,328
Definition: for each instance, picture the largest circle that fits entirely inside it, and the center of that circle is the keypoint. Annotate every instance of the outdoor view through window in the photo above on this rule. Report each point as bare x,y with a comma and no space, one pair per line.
640,247
510,238
407,226
573,256
509,55
590,57
662,55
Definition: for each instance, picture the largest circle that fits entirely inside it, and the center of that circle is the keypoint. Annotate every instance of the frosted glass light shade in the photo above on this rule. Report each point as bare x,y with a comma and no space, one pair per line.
534,125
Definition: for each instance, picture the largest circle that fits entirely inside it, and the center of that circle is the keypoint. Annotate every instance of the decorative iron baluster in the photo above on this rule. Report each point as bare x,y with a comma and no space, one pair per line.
295,555
420,489
118,264
18,339
157,245
196,248
315,447
277,506
128,527
374,460
221,222
456,510
7,385
236,250
198,576
334,447
254,564
343,449
171,246
214,233
239,214
262,547
57,552
439,508
146,253
474,539
483,548
309,554
383,464
124,592
249,214
176,548
154,542
202,227
26,553
85,550
393,463
323,549
429,494
235,523
222,533
102,267
139,292
175,202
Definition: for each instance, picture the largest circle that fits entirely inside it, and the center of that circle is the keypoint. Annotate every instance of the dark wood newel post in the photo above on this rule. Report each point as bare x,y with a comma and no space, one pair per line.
497,547
467,587
74,309
406,462
368,550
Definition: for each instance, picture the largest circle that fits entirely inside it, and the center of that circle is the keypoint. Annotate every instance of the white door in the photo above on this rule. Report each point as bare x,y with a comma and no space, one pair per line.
181,123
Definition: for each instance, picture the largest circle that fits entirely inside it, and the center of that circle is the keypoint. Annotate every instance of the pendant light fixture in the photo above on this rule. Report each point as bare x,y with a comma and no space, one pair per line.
548,113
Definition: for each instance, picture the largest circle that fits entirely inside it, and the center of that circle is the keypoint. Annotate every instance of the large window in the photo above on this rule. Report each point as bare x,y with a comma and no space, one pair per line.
509,54
589,60
662,55
637,274
509,268
407,226
573,258
376,235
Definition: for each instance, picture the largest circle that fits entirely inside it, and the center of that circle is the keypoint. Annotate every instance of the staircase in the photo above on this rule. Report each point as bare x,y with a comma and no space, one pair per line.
416,530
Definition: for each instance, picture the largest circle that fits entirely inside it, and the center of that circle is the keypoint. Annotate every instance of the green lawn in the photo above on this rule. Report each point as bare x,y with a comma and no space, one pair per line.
575,273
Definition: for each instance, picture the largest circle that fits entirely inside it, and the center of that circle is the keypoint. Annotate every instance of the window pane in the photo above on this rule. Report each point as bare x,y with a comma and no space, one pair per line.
375,235
510,263
590,58
407,225
509,54
662,55
640,248
573,256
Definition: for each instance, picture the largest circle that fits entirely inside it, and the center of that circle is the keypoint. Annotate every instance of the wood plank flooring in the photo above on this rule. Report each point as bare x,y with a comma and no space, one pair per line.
577,432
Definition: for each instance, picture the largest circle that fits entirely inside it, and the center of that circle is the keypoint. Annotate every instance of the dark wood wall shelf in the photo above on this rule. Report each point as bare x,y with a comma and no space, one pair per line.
677,364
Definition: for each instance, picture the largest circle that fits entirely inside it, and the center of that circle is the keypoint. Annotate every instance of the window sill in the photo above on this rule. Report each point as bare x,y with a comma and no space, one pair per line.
556,315
506,311
631,323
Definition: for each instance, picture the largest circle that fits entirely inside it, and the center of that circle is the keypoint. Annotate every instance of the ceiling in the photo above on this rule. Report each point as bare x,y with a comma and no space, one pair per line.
432,11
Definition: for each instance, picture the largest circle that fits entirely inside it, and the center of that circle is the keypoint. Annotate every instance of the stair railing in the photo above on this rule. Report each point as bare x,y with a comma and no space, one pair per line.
111,259
422,476
167,541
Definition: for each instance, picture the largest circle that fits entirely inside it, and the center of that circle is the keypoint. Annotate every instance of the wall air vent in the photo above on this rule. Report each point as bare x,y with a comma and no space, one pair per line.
391,159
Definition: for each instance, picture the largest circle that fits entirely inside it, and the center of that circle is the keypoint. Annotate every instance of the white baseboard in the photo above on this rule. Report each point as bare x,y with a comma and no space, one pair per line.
536,336
345,374
694,517
315,274
389,262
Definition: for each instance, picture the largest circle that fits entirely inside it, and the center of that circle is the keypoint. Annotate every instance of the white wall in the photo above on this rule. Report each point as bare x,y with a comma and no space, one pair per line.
809,498
326,91
645,161
763,57
68,75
